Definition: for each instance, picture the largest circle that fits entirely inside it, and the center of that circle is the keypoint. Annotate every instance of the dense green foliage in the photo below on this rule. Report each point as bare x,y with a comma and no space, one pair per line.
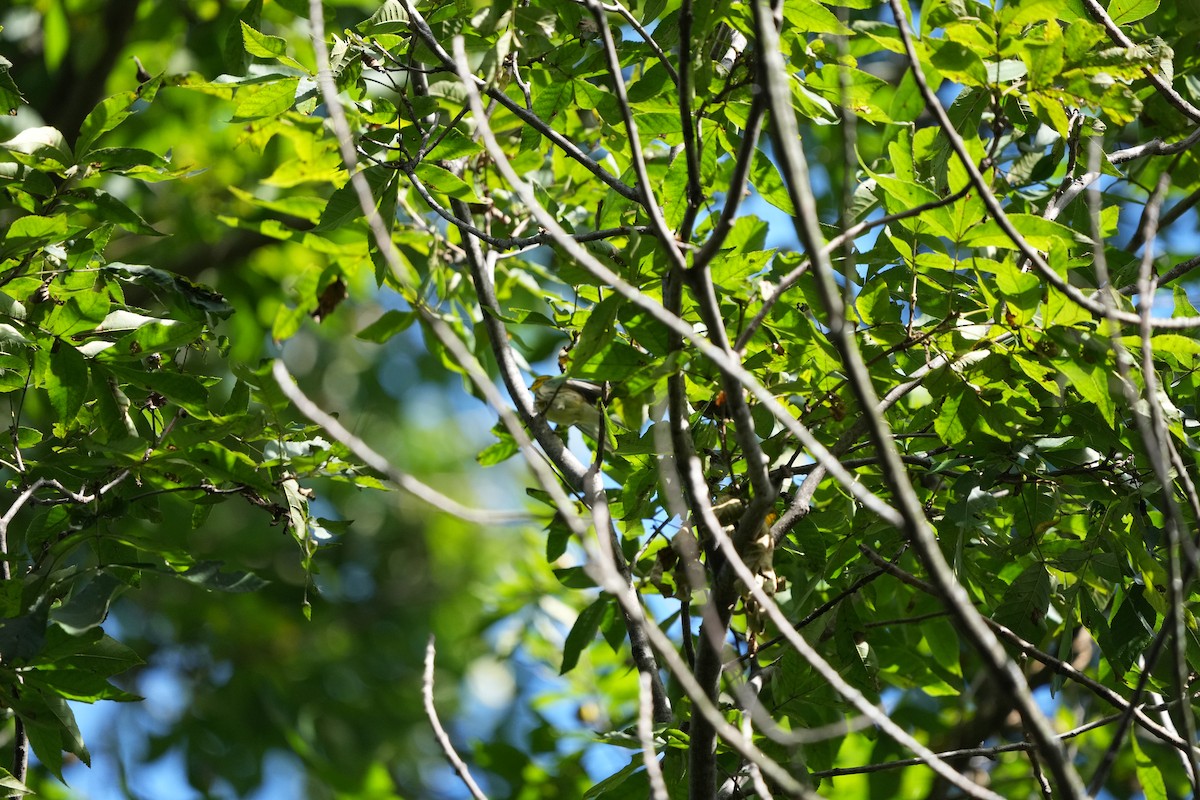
885,443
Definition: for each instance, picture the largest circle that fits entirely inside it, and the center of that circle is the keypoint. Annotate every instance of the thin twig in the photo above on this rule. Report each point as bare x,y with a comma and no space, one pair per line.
738,182
1173,274
20,753
443,739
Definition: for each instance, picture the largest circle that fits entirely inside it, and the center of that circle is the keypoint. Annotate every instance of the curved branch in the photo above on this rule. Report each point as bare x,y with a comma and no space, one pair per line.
1059,666
737,186
443,739
831,676
415,487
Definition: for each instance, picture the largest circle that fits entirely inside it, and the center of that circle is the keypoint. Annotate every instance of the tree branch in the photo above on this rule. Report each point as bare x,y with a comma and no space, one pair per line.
688,124
645,730
443,740
737,187
370,457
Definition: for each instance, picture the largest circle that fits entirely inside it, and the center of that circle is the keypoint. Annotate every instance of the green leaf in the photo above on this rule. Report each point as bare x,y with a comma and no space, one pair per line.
944,643
574,578
183,390
1023,608
46,742
108,209
7,781
31,232
597,332
812,17
583,633
210,575
1132,628
52,730
10,335
10,96
1172,344
874,304
128,160
387,326
154,337
498,451
1091,381
904,195
93,652
79,686
192,295
447,183
630,781
731,272
88,605
957,416
236,57
260,45
958,62
123,320
390,17
1042,234
41,144
21,638
768,183
1126,11
265,99
344,205
66,382
109,114
1150,778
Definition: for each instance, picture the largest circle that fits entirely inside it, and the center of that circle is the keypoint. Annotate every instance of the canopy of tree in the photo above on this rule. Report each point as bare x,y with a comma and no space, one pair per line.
838,358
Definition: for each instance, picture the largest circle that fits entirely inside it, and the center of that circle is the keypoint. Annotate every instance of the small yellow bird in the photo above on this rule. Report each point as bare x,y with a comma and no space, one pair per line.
569,401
